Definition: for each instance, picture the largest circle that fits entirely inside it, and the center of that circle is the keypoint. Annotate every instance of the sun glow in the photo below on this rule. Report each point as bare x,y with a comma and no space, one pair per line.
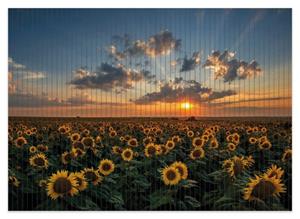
186,106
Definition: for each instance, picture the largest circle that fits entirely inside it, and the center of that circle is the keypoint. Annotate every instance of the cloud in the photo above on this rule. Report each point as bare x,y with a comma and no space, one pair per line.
180,90
27,100
11,83
31,75
79,99
108,77
13,65
161,43
191,63
246,100
23,72
114,53
30,100
225,66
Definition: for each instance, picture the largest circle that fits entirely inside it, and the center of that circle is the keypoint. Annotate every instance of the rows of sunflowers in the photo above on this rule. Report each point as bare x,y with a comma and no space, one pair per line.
149,164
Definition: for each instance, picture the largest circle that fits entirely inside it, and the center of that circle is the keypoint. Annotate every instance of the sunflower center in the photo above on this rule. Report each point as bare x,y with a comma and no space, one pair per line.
88,142
196,153
238,167
90,176
171,175
106,166
68,157
151,150
39,161
127,154
62,186
198,142
263,189
20,142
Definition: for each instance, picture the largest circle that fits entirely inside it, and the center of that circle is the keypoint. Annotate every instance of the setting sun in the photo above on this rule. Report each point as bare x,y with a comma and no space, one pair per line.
186,105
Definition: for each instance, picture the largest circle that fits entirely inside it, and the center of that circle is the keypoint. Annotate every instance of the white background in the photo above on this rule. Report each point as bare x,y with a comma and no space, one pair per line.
5,4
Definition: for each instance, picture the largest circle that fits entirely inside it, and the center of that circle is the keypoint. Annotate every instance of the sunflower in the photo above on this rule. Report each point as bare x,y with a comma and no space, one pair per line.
274,171
182,169
197,153
198,142
252,140
32,149
14,181
227,164
236,138
229,138
78,145
88,142
116,150
263,130
77,152
132,142
262,139
63,130
176,139
148,140
127,154
81,181
127,138
28,132
75,137
265,145
287,155
170,144
61,184
150,150
205,138
43,183
42,148
85,133
190,134
164,149
92,175
39,160
231,146
106,167
66,157
260,188
214,143
170,176
238,165
98,139
112,134
20,142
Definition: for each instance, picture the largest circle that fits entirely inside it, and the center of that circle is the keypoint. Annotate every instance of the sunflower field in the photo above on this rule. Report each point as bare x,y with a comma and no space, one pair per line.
149,164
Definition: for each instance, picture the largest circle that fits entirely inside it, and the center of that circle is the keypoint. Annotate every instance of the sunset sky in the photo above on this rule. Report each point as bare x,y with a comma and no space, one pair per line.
149,62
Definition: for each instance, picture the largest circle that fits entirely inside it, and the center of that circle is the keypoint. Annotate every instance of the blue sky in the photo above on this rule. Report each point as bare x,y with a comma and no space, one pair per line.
56,43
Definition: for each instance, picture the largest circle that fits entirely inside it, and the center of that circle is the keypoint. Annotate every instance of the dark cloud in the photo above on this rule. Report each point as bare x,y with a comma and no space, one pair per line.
28,100
191,63
31,100
161,43
180,90
108,77
225,66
